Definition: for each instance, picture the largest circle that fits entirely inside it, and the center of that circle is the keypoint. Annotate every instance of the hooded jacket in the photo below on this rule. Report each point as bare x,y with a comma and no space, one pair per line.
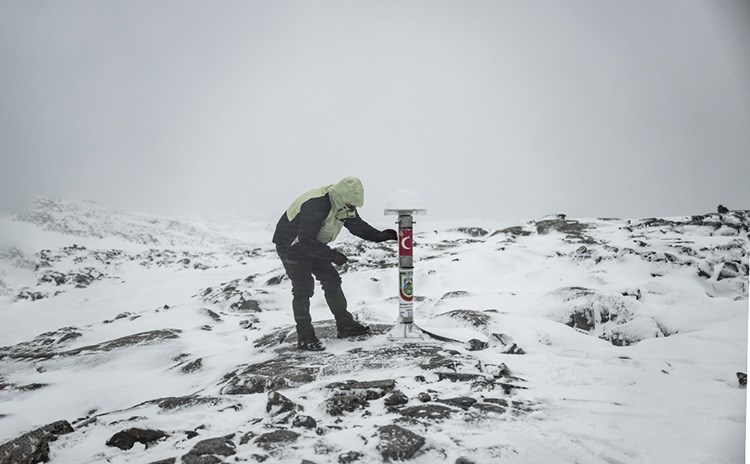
316,217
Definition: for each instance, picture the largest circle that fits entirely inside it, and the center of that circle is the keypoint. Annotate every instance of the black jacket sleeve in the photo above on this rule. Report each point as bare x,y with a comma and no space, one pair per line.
361,229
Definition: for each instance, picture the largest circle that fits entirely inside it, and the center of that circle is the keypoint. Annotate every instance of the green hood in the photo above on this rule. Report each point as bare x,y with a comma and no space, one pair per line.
347,191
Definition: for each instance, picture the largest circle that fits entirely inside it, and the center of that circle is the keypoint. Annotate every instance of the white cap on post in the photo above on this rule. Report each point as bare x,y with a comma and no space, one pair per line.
405,202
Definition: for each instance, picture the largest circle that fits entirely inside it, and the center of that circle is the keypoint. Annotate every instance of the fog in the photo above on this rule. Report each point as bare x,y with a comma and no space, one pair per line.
486,108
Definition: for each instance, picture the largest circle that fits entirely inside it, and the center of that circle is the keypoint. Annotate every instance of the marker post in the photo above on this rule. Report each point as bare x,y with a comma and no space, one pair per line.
403,203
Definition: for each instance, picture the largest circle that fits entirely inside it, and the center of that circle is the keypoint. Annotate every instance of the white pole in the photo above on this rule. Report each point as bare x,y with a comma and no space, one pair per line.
405,327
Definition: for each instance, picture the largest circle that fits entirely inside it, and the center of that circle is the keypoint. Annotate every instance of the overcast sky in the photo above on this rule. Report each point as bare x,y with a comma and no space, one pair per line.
508,109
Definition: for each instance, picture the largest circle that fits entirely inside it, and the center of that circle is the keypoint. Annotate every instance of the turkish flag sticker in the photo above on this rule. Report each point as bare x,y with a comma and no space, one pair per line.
405,242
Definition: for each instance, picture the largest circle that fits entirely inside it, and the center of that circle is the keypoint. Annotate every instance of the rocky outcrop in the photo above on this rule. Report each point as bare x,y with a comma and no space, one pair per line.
33,447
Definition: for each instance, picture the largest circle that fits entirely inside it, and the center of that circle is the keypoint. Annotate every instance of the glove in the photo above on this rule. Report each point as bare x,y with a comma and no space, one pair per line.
388,234
339,259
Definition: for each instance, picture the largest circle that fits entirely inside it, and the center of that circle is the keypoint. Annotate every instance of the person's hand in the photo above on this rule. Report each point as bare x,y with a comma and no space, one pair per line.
388,234
339,259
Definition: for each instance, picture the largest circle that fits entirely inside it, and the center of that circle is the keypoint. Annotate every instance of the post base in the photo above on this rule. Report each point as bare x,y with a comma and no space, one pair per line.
405,331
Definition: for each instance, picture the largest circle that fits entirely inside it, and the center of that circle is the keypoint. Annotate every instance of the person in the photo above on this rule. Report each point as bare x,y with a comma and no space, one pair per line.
302,236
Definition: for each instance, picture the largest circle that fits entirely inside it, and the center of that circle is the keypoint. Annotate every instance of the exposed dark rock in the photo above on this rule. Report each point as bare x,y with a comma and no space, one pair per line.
26,294
460,376
276,280
428,411
730,270
80,278
722,209
501,406
247,305
236,295
396,398
397,443
348,458
449,360
127,341
476,345
33,447
513,349
371,390
472,231
165,461
127,438
497,370
32,386
338,404
292,368
192,366
327,329
515,230
424,397
173,403
246,438
208,451
464,460
490,408
249,384
454,294
274,338
278,438
211,314
42,346
286,371
611,316
463,402
571,228
305,422
742,378
509,387
475,318
279,404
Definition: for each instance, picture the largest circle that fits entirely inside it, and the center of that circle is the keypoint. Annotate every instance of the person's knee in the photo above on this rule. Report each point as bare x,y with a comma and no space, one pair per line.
329,281
303,292
332,288
302,286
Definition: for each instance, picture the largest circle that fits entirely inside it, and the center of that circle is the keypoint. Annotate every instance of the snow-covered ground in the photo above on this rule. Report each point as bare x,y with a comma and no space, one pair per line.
628,334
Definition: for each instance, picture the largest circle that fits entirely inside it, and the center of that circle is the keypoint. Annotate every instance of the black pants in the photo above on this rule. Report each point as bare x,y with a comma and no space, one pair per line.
301,271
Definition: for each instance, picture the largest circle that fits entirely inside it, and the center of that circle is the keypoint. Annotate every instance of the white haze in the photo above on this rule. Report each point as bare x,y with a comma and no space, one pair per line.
487,108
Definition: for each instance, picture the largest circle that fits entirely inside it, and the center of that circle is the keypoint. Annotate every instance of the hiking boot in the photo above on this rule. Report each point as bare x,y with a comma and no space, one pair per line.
353,330
310,344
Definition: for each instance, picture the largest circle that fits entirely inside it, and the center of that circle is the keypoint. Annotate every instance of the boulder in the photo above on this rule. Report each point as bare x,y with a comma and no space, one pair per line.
398,443
339,404
371,390
276,439
428,411
306,422
279,404
396,398
208,451
126,439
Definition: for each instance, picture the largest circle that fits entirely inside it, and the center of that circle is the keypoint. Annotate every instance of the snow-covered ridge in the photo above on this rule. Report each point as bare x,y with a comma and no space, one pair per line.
587,340
91,219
